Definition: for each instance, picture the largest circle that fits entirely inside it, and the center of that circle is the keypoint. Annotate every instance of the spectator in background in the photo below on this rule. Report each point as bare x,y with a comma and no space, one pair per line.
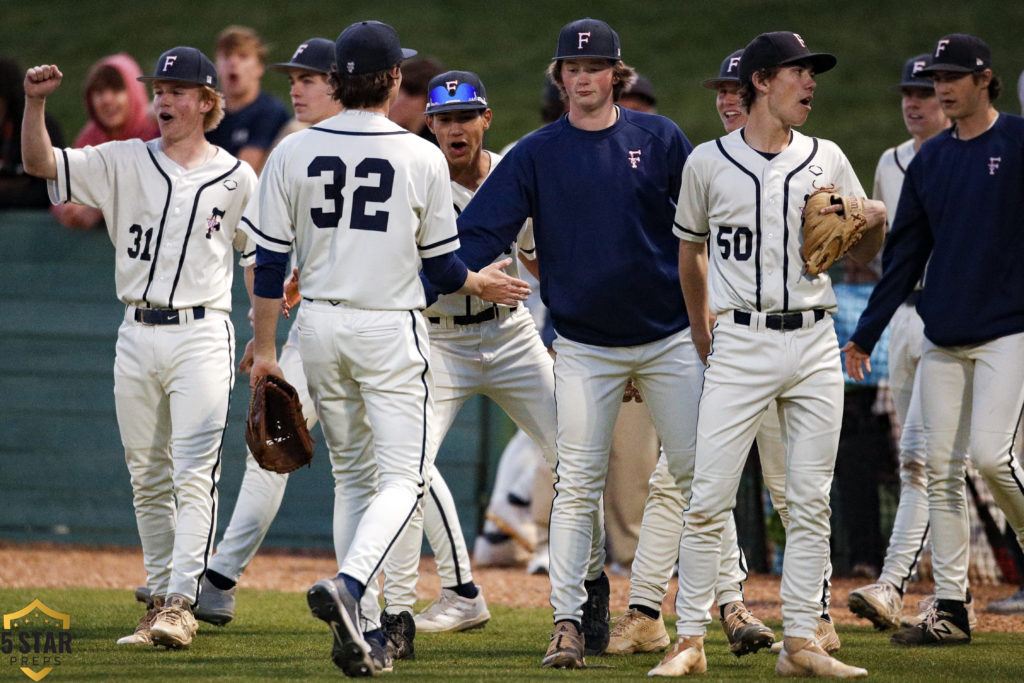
253,118
18,190
639,96
407,109
118,109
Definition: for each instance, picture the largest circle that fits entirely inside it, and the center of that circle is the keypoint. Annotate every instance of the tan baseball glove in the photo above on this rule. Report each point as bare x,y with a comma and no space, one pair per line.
827,237
275,430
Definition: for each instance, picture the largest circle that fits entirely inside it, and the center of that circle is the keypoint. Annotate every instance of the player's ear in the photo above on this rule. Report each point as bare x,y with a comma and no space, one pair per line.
486,116
430,122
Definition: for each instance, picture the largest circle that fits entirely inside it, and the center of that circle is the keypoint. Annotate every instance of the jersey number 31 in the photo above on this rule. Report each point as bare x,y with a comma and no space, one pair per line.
359,218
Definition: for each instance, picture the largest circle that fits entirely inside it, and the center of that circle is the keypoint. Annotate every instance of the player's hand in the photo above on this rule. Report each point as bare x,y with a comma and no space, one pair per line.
248,357
631,393
856,361
702,340
263,366
291,297
498,287
41,81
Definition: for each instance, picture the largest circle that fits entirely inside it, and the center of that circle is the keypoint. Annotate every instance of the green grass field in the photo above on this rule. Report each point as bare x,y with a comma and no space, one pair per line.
274,637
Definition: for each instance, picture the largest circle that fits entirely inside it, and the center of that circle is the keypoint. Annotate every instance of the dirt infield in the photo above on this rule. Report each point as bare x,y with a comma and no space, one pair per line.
59,566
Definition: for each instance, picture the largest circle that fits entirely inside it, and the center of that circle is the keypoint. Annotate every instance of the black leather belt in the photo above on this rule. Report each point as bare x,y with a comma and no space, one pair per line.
914,297
481,317
166,316
778,321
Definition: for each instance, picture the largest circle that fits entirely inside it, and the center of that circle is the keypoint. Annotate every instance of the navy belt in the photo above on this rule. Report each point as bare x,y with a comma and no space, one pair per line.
779,321
166,316
481,317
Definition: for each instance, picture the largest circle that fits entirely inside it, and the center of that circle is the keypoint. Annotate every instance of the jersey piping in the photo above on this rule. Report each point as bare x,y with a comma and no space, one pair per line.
757,219
360,133
785,224
188,233
160,232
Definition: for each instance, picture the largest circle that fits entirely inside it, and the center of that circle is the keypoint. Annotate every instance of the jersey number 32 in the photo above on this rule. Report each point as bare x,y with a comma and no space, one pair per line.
359,218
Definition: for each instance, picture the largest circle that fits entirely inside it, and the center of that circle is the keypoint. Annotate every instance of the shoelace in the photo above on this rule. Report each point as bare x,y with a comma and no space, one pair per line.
626,620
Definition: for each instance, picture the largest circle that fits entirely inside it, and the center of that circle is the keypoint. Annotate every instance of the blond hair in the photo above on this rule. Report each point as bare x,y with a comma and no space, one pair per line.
213,117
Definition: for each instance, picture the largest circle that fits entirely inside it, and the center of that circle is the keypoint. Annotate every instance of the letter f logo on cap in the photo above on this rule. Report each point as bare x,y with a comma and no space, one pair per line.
169,61
941,46
584,38
734,63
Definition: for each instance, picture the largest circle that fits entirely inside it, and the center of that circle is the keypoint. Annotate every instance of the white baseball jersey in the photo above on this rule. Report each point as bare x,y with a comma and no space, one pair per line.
754,208
458,304
360,220
173,228
889,174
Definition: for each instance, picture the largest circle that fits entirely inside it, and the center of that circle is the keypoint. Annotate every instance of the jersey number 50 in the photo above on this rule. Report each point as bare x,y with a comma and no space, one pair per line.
735,243
359,219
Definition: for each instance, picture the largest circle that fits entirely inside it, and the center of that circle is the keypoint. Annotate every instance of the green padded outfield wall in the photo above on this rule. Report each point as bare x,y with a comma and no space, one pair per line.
62,471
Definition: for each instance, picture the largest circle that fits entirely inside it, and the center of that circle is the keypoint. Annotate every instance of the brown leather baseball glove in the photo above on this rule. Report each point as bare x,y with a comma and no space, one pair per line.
275,430
827,237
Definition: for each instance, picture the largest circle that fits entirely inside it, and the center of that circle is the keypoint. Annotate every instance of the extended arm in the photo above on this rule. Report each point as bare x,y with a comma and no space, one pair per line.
36,148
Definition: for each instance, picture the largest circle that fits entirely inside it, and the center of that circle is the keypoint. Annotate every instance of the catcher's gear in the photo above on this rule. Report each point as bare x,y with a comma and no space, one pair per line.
827,237
275,430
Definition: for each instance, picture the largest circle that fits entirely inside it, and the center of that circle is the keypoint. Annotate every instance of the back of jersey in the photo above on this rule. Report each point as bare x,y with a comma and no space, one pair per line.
364,202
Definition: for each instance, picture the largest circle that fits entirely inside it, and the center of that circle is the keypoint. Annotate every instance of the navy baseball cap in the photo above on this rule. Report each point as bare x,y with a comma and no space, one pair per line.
961,53
729,72
780,48
913,75
643,89
184,64
315,54
368,46
456,91
588,38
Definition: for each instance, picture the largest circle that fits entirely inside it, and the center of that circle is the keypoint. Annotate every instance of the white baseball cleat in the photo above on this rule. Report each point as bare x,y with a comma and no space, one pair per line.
489,552
880,603
826,638
174,625
813,661
540,562
634,631
142,635
686,657
452,612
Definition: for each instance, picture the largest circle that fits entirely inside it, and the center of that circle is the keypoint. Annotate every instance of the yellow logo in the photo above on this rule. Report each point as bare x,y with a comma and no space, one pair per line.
36,637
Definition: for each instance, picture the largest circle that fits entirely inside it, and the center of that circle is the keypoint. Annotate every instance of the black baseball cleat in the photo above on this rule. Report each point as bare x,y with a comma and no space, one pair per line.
330,601
400,631
945,623
596,613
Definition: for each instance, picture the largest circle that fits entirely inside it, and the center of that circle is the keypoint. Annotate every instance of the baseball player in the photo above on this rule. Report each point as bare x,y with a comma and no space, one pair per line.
171,206
364,203
262,491
882,602
641,628
476,348
598,184
773,339
959,214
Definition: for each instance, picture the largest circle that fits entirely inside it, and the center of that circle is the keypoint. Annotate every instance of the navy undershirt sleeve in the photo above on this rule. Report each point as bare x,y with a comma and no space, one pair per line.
446,272
268,276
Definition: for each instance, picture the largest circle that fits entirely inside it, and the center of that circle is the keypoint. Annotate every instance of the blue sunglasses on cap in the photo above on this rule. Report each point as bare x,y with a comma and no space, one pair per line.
465,93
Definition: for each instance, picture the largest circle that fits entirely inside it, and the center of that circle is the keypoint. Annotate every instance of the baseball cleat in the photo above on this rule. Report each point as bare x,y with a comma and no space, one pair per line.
452,612
826,637
813,661
746,633
142,635
514,520
596,614
925,605
143,595
380,651
686,657
215,606
634,631
566,648
174,625
880,603
330,601
540,562
400,632
1011,605
940,626
498,550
